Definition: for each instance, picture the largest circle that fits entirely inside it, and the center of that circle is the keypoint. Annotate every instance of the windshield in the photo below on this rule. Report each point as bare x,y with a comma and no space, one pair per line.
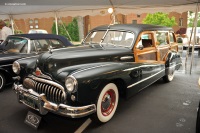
15,45
116,38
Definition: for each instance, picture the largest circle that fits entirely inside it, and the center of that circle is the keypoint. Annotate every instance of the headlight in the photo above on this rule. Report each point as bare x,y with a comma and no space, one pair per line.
71,83
16,67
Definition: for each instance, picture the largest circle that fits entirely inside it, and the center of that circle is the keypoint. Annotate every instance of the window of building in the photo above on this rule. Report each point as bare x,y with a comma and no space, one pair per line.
31,27
134,21
30,21
36,21
180,21
36,26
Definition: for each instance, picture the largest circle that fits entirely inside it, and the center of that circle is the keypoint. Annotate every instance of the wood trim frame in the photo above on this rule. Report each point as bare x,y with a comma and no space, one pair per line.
156,48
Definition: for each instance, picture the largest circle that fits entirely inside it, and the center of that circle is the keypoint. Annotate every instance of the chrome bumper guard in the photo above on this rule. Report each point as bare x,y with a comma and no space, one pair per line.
39,102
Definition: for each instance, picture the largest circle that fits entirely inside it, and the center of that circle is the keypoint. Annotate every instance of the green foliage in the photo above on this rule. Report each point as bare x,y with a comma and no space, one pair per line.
18,32
72,29
191,19
160,18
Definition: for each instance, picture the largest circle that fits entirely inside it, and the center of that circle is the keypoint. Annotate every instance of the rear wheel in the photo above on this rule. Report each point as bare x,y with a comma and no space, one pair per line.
107,103
2,81
169,75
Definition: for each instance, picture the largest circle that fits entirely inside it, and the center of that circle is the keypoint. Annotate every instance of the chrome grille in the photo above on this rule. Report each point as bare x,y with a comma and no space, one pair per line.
52,93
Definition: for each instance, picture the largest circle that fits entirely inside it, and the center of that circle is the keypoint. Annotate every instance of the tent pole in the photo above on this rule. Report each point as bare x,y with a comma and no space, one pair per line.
114,13
12,24
56,22
195,27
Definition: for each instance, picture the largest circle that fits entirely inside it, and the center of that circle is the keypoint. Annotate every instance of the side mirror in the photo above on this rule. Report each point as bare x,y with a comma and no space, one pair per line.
141,47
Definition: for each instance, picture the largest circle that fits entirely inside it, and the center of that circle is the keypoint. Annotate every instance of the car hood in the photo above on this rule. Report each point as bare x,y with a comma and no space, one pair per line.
51,62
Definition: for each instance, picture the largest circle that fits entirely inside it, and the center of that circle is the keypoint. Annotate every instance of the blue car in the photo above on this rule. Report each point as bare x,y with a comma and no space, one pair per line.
23,46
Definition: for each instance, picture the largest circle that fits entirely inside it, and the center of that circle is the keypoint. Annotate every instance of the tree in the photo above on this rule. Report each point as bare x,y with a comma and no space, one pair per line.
71,28
159,18
191,19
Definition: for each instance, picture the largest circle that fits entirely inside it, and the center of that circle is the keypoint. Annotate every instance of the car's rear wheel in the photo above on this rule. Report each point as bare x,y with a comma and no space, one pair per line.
169,75
2,81
107,103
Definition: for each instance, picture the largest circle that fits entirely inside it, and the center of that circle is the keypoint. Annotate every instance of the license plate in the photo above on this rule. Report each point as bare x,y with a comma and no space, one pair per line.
29,101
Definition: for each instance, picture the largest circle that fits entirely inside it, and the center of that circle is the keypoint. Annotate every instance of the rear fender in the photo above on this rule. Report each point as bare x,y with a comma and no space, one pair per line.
173,61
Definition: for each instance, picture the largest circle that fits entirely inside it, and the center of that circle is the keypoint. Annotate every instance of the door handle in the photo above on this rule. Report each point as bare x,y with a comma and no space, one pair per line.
126,57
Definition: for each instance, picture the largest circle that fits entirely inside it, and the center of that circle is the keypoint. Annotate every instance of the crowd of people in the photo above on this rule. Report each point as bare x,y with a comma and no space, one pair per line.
4,31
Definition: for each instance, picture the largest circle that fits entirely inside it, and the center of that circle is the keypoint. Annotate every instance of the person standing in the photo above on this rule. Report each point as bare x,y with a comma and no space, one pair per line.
5,31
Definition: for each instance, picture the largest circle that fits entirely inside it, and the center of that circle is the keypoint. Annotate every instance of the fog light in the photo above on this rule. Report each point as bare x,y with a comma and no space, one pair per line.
73,98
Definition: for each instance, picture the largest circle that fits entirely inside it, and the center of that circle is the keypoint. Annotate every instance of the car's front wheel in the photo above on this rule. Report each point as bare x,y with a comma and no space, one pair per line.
2,81
107,103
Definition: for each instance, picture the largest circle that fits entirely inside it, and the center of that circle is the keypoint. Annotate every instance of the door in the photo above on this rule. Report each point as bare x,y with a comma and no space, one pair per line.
145,50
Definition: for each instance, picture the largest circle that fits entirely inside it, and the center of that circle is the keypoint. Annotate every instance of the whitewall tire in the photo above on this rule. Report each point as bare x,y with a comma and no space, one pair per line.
2,81
107,103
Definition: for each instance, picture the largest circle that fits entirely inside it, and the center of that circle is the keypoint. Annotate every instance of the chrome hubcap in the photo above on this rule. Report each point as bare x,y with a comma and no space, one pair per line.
108,102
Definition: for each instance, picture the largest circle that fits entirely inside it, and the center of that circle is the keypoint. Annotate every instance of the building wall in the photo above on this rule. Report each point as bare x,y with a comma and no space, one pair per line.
43,23
94,21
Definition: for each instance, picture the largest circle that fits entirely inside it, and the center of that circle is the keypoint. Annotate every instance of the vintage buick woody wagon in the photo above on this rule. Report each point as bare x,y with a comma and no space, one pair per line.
115,60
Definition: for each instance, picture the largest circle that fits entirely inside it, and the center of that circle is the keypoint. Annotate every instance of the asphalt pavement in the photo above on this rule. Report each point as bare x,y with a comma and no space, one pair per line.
160,108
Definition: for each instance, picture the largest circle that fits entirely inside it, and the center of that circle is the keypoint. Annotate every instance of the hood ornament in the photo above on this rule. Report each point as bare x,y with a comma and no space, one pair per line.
50,49
38,72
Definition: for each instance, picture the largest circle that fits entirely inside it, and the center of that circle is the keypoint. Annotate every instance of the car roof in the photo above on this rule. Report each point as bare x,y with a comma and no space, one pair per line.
137,28
44,36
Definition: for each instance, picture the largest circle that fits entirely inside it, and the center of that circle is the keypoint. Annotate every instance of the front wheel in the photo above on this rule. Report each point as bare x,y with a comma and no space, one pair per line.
107,103
2,81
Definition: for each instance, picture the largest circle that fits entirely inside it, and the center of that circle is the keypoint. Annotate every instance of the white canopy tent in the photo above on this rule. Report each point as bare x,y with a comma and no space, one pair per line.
47,8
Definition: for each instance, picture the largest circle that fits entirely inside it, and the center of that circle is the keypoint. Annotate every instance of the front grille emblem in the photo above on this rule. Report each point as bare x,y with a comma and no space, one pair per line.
37,72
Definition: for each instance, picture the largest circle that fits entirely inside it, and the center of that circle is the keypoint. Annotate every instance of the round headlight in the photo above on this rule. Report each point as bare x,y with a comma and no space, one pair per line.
16,67
71,83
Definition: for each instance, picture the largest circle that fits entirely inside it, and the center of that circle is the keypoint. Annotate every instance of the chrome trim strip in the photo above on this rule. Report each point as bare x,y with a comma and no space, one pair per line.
126,57
149,76
28,57
89,68
5,65
6,58
145,79
129,69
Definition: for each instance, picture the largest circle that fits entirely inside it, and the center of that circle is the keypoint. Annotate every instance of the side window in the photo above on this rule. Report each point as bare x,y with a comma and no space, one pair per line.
171,36
42,45
56,43
161,38
145,40
32,47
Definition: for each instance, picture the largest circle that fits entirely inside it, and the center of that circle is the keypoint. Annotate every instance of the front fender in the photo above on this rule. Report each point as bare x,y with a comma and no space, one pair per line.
7,73
27,65
91,80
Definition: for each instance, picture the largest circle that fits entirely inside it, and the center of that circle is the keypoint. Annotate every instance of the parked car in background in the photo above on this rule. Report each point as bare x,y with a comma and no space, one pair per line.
115,60
198,114
187,43
25,45
34,31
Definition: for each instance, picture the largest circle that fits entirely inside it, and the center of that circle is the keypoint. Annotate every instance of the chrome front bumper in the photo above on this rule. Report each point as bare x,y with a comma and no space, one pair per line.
39,102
